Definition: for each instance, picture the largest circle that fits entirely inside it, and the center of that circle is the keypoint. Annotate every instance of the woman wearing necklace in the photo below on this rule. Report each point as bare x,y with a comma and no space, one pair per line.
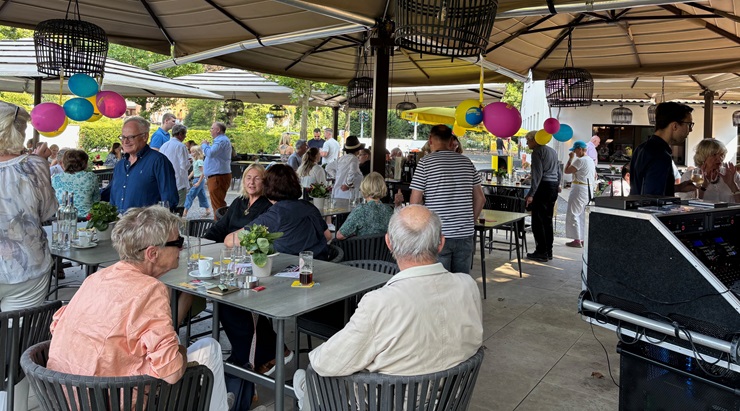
245,208
721,180
373,216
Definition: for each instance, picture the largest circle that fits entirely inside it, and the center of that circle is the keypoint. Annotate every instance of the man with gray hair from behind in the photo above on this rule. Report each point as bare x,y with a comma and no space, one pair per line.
424,320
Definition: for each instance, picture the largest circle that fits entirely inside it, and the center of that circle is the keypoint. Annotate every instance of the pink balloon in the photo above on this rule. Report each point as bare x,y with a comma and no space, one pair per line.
501,119
552,125
47,117
111,104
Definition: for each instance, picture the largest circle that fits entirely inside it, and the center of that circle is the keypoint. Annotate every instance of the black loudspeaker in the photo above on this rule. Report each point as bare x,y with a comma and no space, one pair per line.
678,268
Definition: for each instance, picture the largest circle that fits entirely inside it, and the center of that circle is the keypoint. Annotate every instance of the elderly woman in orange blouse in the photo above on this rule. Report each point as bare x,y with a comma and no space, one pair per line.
126,313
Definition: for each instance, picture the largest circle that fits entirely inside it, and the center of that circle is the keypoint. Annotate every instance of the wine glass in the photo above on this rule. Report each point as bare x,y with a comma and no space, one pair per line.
697,176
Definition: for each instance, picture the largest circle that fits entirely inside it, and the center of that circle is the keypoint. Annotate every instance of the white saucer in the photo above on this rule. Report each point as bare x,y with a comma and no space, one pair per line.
82,247
196,274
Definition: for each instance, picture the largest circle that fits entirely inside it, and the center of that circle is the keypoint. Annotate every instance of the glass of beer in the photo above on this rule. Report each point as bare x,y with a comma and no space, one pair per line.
305,264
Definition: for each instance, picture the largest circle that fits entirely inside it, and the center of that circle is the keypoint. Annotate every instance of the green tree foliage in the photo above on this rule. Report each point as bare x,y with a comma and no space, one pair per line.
14,33
99,135
202,113
513,94
397,127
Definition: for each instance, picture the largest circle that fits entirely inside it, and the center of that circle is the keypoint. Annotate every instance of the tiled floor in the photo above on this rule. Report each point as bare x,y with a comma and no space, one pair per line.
540,354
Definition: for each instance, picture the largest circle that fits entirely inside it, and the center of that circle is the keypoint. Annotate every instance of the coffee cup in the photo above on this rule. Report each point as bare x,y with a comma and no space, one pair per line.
84,238
205,266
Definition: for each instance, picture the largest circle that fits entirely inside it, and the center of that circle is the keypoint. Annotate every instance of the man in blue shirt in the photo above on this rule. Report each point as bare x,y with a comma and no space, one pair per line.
143,177
651,168
217,166
162,135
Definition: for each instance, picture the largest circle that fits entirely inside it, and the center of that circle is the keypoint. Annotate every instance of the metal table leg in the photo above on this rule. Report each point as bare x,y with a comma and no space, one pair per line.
215,326
518,251
280,365
482,238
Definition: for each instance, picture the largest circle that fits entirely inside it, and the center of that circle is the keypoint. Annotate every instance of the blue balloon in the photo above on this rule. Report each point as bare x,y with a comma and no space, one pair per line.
83,85
564,134
79,109
474,116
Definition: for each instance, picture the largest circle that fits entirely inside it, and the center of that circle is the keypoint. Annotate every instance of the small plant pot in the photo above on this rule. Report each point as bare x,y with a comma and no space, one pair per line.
265,271
318,202
499,180
105,235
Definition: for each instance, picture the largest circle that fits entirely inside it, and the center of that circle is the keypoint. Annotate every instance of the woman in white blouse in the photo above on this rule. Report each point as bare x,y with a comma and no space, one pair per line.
721,180
310,172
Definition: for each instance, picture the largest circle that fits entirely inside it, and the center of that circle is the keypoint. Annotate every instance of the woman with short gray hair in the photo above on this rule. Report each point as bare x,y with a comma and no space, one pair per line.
126,311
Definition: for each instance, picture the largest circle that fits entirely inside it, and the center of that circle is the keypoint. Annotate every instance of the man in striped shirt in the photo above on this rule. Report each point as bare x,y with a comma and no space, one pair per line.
448,184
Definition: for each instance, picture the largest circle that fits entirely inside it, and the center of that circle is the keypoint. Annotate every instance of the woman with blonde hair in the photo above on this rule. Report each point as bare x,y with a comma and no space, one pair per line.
26,200
373,216
114,155
721,180
250,204
285,148
310,172
198,178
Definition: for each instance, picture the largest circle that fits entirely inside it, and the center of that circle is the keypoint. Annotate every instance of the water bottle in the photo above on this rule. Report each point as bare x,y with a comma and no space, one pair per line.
72,217
60,238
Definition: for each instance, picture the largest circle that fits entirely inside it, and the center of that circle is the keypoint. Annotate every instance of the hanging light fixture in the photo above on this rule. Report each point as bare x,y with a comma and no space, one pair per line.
451,28
277,111
621,114
360,88
233,107
69,46
569,86
404,105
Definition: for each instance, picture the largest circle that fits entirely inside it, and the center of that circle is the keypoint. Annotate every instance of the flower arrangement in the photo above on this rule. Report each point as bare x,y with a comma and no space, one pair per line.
500,173
258,242
319,190
101,215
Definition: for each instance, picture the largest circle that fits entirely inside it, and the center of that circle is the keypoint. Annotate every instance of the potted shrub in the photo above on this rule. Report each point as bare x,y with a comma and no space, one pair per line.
500,174
258,242
102,217
318,192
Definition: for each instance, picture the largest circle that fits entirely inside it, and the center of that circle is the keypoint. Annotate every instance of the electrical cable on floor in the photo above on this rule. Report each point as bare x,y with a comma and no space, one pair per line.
608,363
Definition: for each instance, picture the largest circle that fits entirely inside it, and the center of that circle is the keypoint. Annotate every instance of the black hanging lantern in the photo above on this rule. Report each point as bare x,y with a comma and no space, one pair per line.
451,28
621,115
277,111
736,118
404,105
70,46
360,89
651,114
569,86
233,107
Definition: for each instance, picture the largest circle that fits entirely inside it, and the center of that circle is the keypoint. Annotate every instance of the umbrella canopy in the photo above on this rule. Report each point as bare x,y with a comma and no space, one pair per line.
18,71
239,84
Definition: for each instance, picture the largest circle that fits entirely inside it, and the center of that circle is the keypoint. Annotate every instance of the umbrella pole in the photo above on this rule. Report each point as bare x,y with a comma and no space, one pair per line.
36,102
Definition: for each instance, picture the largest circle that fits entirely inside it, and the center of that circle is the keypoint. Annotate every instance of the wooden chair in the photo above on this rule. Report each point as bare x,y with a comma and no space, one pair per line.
366,247
19,330
59,391
448,390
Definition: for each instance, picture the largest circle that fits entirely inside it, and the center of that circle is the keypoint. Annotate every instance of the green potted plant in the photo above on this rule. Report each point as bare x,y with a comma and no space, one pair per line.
500,174
102,218
258,242
318,192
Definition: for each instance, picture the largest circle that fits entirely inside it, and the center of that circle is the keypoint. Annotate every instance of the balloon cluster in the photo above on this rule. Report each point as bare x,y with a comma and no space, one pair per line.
552,128
51,119
500,119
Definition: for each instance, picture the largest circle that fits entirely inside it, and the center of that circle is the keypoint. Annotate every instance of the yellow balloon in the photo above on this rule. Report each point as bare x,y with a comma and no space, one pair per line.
58,131
96,113
461,113
542,137
458,130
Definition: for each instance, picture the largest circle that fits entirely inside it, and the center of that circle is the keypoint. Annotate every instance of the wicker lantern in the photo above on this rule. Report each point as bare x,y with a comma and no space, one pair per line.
69,46
452,28
233,107
360,88
277,111
621,115
403,106
569,86
736,118
651,114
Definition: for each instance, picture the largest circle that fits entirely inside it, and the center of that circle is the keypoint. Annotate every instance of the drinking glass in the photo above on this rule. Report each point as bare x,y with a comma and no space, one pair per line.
193,251
305,264
225,269
723,169
697,176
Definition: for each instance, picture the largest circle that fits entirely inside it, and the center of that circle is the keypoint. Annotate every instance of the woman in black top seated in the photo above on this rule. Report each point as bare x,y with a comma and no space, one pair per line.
300,222
249,205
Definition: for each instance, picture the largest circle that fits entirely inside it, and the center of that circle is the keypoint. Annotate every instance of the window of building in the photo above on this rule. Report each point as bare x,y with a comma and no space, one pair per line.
618,142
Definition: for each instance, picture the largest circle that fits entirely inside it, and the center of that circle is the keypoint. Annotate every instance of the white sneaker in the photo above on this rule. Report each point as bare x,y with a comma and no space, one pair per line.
287,361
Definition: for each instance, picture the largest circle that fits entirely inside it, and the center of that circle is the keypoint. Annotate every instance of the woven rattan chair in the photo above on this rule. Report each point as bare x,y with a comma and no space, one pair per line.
19,330
59,391
365,247
336,254
448,390
221,212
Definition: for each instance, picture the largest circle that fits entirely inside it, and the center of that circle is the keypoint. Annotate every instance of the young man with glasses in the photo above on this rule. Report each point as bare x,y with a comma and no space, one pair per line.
651,169
143,177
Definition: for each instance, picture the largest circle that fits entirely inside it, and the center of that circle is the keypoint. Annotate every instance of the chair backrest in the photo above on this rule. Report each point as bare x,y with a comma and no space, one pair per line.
59,391
221,212
504,203
198,227
336,254
384,267
448,390
105,176
19,330
487,174
365,247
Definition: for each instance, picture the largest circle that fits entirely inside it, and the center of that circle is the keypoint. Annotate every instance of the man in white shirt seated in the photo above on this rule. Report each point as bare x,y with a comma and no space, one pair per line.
425,319
619,187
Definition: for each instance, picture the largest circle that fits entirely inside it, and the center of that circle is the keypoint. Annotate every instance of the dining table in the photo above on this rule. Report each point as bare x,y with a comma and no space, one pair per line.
280,301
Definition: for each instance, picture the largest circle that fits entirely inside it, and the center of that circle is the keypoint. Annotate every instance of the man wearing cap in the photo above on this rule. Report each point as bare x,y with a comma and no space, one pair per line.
316,141
584,176
542,195
448,183
330,150
651,169
294,161
346,170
